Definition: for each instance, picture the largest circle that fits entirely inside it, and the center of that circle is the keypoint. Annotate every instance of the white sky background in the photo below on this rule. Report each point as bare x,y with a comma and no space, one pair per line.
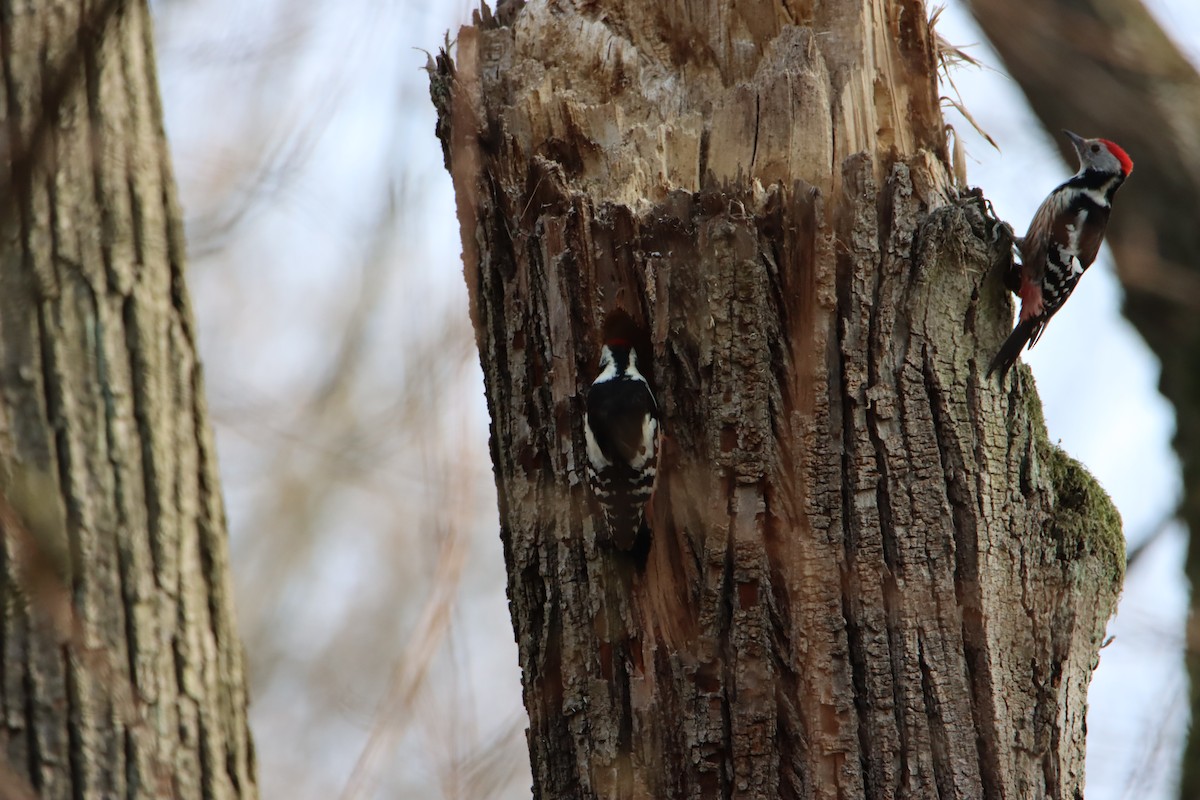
333,90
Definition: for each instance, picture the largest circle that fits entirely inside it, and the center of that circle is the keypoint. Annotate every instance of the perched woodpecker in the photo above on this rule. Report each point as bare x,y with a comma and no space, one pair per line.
1062,242
621,428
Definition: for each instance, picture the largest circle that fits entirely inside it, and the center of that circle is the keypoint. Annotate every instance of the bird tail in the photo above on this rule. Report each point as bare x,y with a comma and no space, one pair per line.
623,493
627,526
1026,330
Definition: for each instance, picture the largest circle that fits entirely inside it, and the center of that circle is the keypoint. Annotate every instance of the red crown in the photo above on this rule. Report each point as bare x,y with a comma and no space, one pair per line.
1122,156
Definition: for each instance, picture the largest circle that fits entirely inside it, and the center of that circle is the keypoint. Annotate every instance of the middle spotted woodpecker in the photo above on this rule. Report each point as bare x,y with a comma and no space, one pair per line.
1062,242
621,428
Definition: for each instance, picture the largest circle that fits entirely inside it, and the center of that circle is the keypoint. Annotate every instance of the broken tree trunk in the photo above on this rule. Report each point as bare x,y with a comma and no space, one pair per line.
870,574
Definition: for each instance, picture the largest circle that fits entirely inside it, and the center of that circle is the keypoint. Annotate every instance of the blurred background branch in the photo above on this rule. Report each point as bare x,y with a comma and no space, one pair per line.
345,391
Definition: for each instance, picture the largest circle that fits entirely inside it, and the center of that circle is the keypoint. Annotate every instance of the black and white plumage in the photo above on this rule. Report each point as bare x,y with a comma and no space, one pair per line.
1062,242
621,428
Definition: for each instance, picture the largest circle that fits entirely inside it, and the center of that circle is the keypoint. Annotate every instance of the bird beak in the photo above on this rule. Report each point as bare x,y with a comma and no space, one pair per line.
1076,140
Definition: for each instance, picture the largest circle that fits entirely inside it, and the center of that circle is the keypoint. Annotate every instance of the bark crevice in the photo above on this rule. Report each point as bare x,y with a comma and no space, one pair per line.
966,570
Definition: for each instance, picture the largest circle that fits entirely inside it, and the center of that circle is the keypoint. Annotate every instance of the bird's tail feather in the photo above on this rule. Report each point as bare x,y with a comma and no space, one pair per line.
1007,356
626,524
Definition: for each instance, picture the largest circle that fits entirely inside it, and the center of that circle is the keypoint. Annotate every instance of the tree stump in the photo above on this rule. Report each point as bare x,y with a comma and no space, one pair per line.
870,574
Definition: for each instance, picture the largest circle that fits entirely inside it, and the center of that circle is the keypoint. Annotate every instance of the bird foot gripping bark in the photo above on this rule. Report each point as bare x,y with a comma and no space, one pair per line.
1003,243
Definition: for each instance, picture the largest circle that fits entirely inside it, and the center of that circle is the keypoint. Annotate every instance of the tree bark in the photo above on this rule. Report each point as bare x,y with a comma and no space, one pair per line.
871,575
1109,68
121,668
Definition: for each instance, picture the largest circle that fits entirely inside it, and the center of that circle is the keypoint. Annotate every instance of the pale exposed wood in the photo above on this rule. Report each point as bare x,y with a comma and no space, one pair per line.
871,575
122,670
686,94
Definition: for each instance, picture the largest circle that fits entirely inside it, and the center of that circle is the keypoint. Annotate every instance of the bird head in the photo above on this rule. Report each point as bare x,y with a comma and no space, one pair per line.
615,350
1101,155
623,340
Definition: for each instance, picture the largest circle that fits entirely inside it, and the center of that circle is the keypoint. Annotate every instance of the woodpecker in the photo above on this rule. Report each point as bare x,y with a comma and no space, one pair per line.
1062,242
621,429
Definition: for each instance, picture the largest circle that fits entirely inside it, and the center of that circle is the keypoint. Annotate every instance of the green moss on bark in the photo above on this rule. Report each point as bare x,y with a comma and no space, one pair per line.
1085,522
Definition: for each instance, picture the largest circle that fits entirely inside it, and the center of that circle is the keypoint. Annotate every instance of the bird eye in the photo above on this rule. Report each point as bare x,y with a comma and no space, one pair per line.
1095,148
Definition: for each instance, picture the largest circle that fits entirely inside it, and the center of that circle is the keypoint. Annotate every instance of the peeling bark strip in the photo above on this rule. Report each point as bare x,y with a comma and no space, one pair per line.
871,574
121,670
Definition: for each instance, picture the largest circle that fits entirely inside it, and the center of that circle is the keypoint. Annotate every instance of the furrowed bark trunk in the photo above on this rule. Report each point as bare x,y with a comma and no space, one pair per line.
871,575
121,669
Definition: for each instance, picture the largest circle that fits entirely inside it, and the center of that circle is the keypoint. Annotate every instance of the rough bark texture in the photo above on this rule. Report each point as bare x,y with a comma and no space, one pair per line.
120,669
870,575
1106,68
